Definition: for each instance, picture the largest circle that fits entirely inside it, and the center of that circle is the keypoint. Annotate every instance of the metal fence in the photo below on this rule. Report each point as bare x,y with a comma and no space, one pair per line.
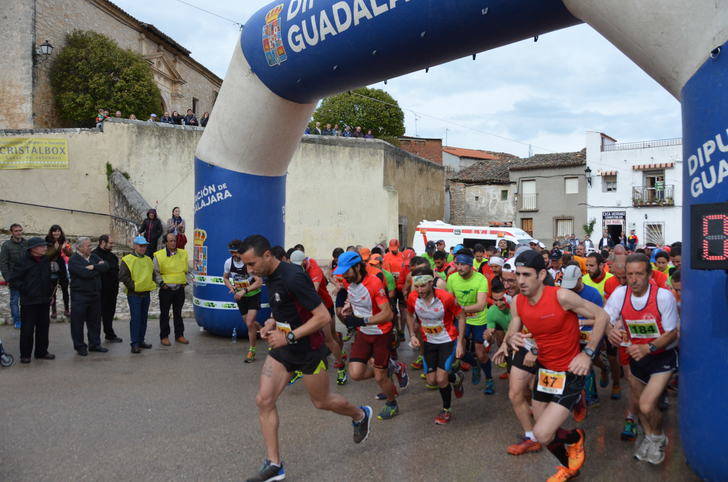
625,146
653,196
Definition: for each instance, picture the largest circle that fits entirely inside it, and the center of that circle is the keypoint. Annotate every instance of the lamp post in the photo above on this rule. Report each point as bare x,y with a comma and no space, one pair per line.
587,173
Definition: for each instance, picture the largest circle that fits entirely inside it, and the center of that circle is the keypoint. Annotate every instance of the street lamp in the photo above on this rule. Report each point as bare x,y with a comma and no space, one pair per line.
587,173
44,51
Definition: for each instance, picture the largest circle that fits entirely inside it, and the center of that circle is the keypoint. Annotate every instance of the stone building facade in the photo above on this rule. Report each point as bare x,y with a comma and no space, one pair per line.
25,90
482,194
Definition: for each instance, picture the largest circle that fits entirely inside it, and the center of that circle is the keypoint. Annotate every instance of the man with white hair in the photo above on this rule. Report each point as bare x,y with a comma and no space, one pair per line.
86,269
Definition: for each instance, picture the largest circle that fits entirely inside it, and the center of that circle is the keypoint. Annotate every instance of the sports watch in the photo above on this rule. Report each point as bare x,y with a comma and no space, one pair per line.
291,338
533,350
589,352
652,347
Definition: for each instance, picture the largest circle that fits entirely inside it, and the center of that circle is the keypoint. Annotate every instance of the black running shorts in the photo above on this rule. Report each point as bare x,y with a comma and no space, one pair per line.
653,364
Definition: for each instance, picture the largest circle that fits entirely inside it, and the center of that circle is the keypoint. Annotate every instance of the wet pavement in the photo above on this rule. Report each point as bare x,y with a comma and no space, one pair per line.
188,413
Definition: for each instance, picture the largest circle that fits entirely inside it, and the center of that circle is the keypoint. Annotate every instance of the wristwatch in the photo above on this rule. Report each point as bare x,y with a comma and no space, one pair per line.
652,347
589,352
291,338
533,350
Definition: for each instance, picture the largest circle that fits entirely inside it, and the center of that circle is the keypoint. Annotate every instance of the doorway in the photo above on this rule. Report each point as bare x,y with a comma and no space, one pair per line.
615,233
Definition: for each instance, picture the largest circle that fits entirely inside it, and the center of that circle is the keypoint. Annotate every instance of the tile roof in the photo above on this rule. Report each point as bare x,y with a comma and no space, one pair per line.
475,153
485,172
554,160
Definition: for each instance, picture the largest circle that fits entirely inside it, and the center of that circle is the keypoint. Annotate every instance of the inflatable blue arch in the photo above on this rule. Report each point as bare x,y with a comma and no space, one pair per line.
294,52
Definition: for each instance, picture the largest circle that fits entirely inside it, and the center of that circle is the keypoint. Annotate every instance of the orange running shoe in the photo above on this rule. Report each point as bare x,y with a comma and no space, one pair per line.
576,452
580,409
563,474
523,447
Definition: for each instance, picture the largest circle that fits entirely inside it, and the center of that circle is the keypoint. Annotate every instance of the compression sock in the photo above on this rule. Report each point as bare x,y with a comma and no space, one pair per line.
487,368
446,394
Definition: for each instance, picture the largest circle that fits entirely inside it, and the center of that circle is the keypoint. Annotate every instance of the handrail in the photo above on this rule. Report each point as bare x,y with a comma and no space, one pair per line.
625,146
134,223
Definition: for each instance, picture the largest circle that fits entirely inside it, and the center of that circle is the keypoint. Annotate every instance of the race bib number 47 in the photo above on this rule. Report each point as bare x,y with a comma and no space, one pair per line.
551,382
643,328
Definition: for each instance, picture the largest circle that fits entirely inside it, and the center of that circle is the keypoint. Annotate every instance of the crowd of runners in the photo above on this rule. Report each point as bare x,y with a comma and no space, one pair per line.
559,322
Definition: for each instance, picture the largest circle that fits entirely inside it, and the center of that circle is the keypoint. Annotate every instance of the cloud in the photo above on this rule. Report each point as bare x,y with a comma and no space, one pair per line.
545,93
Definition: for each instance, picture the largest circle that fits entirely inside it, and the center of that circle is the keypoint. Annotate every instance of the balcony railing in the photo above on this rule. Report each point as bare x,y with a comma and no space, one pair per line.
626,146
529,202
653,196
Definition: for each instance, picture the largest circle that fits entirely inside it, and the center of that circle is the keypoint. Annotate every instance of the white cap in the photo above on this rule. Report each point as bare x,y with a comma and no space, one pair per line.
298,257
571,276
510,265
495,260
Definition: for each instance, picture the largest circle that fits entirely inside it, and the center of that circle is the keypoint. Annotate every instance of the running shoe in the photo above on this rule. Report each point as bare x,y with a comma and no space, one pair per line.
431,387
347,337
502,365
443,418
363,426
604,379
417,364
475,376
297,375
341,376
563,474
642,449
503,376
526,445
250,357
580,410
388,411
455,365
629,433
656,451
576,452
616,392
489,387
457,385
423,376
17,325
465,366
401,374
269,472
381,396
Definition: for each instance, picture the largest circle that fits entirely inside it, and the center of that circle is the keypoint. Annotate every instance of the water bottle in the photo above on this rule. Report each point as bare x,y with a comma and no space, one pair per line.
235,335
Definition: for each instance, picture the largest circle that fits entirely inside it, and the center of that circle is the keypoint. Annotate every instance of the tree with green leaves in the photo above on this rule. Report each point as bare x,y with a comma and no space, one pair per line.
93,72
368,108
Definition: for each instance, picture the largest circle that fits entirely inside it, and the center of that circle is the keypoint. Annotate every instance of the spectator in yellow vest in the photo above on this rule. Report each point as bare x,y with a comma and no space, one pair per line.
136,271
170,273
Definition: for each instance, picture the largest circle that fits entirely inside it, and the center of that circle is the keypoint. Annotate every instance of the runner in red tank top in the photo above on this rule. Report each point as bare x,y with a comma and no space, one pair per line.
644,320
550,315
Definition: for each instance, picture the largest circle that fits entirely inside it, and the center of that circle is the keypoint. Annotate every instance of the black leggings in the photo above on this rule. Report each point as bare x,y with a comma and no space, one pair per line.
64,291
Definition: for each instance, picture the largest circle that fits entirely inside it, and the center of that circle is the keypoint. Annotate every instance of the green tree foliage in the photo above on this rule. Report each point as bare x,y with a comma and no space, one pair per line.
358,108
93,72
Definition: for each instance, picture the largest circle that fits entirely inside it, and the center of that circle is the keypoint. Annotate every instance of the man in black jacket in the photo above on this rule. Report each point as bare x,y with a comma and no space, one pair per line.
86,270
31,276
109,286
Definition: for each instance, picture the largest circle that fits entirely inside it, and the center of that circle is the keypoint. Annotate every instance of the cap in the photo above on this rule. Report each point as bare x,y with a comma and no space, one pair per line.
35,242
495,260
440,241
298,257
365,253
571,276
346,261
555,255
394,243
153,115
141,240
509,266
430,246
375,259
457,248
541,245
530,259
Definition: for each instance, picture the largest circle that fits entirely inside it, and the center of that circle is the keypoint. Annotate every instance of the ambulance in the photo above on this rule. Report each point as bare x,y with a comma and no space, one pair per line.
468,236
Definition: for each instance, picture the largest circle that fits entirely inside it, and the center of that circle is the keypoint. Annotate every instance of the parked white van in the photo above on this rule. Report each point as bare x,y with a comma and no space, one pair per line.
468,236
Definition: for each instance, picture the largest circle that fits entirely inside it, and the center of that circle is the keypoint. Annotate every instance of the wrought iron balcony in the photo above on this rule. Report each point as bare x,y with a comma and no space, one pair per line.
653,196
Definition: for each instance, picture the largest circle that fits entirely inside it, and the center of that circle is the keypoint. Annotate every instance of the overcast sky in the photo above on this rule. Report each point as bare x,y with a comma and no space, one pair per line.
546,94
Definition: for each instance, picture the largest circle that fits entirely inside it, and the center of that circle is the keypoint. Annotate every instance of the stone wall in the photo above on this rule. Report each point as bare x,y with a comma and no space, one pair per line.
339,191
457,203
16,64
127,208
484,204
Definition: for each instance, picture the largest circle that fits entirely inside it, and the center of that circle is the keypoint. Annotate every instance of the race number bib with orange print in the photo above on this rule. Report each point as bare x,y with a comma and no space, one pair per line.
432,329
284,327
551,382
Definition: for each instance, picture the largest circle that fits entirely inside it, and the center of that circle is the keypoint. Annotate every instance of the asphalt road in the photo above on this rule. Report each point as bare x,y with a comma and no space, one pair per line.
188,413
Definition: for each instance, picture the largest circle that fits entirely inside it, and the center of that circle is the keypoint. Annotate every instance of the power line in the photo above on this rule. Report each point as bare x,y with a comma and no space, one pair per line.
234,22
462,126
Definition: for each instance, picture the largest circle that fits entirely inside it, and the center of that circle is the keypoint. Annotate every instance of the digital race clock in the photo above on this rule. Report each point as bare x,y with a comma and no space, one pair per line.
709,236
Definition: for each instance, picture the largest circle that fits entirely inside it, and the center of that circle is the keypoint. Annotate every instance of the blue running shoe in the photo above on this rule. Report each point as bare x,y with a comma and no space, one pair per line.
489,387
17,325
362,427
629,432
388,412
269,472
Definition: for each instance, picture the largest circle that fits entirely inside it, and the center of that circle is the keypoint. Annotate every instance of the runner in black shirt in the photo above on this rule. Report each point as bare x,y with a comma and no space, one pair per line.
294,335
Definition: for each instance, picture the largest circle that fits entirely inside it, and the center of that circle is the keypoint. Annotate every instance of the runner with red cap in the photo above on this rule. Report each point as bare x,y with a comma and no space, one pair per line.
550,315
